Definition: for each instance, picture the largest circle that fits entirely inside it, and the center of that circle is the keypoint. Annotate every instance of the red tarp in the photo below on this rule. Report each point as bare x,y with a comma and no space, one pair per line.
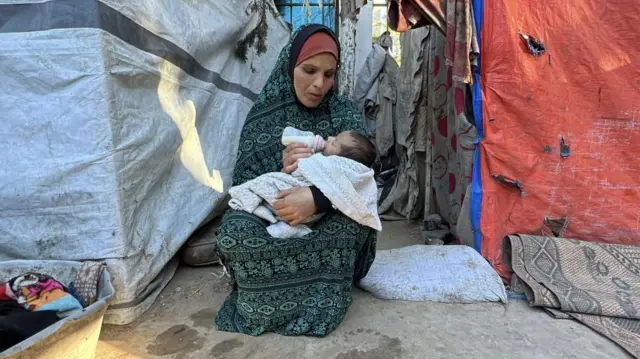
585,88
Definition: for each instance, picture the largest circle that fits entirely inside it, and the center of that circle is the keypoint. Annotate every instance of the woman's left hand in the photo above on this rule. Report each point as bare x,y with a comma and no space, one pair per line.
295,205
291,154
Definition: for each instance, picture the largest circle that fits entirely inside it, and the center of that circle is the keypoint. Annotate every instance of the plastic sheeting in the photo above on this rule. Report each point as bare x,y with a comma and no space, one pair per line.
121,123
582,90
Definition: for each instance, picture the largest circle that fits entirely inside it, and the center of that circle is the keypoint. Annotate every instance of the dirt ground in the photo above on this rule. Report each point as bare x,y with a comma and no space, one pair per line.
180,325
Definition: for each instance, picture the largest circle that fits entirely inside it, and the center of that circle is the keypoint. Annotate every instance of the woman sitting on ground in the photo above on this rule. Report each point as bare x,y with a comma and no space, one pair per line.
293,286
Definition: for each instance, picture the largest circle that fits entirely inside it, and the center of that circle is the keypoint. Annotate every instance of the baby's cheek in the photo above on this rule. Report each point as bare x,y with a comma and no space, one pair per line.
330,150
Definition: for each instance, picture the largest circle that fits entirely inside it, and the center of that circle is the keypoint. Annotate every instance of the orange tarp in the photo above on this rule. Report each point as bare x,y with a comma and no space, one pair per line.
586,89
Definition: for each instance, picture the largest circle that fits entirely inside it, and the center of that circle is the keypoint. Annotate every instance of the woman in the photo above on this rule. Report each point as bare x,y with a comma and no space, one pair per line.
294,286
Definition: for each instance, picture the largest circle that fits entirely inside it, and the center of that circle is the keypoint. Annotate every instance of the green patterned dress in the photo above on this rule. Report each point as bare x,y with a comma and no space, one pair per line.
293,286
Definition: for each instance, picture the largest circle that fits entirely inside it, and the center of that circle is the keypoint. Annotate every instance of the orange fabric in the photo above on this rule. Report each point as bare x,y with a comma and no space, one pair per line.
42,298
404,15
585,88
457,25
318,43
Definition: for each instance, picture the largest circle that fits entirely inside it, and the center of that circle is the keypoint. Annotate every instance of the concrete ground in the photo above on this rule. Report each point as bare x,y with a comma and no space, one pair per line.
180,325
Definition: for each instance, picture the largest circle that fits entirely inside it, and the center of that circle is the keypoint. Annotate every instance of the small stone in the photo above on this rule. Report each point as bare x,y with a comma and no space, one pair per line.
432,222
435,237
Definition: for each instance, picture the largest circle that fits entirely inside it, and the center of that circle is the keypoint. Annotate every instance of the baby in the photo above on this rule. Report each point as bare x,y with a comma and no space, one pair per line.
340,169
346,144
351,145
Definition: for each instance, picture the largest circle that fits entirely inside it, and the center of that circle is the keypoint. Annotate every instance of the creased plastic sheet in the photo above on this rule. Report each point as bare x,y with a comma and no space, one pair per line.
582,90
121,122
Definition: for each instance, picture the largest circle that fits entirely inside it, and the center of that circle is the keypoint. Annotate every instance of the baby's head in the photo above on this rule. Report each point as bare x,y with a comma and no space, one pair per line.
351,145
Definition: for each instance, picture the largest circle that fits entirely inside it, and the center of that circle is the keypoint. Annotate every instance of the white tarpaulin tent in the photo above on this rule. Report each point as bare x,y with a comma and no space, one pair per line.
121,121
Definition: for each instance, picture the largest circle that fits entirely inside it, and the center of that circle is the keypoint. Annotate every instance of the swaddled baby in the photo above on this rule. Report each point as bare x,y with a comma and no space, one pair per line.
348,144
341,171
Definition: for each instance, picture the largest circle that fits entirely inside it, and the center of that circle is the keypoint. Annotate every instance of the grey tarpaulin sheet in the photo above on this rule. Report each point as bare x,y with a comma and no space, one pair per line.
121,122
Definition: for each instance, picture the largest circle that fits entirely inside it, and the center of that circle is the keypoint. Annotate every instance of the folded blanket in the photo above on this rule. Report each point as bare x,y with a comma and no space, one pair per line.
348,184
85,285
597,284
38,292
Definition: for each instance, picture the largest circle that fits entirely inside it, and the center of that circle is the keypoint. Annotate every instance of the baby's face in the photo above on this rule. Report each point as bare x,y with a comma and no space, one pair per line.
334,145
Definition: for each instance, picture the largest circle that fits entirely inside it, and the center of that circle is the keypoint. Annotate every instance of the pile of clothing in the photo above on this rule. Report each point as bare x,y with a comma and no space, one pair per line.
376,95
31,302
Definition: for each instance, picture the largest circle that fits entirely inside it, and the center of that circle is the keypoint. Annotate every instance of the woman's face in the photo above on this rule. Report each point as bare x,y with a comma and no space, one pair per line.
313,78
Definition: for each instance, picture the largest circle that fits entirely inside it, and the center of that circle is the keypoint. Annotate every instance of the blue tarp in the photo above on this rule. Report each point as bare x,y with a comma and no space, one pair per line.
476,184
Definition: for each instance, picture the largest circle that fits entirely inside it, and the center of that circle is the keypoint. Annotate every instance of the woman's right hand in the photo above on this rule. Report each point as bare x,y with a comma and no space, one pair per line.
292,153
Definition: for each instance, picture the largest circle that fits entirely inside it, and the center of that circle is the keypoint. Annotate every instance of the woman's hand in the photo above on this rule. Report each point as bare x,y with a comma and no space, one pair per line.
295,205
291,154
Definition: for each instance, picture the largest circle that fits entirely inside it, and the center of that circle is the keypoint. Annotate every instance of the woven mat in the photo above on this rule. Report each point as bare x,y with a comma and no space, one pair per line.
594,283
